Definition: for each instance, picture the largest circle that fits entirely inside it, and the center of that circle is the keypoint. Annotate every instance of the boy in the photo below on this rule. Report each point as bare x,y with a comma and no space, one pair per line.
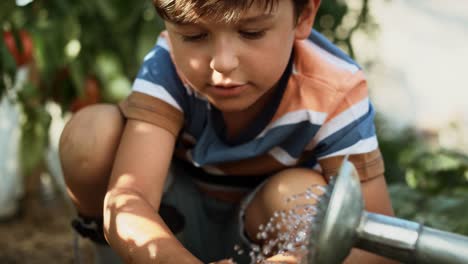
244,109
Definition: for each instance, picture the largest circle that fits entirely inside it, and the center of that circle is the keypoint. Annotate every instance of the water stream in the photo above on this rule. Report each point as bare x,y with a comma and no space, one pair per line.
288,232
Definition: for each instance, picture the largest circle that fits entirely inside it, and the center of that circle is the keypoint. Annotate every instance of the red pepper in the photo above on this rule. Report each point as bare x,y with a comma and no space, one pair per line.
92,95
21,55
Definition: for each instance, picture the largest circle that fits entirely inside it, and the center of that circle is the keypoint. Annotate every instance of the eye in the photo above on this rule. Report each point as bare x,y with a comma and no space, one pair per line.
194,38
252,34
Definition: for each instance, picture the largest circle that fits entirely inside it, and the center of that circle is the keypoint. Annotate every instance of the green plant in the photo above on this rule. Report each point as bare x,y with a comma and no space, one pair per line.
427,184
438,171
74,53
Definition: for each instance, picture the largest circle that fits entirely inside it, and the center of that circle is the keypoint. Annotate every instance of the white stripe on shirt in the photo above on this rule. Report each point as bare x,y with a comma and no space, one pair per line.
315,118
362,146
282,156
340,121
163,43
155,90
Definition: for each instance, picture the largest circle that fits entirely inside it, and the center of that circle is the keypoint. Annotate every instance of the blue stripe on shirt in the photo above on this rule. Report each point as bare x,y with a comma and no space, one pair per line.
292,138
359,129
159,69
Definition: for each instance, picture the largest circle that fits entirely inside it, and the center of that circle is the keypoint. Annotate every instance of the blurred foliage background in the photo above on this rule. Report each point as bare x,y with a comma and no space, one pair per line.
75,53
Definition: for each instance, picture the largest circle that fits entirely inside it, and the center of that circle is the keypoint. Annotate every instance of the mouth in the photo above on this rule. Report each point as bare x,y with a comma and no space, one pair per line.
227,90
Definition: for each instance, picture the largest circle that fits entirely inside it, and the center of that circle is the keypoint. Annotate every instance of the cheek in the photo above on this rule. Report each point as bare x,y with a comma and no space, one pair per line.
191,66
278,51
195,64
269,66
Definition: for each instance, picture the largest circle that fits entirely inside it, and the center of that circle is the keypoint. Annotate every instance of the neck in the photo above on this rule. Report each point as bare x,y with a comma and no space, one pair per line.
236,122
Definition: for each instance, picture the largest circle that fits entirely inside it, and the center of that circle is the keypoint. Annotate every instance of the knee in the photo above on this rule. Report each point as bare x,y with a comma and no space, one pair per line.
88,144
275,193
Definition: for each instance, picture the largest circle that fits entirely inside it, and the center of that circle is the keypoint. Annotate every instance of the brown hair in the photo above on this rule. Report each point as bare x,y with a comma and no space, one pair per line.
185,11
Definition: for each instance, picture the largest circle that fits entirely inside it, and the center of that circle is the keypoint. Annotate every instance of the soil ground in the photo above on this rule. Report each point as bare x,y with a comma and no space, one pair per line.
41,231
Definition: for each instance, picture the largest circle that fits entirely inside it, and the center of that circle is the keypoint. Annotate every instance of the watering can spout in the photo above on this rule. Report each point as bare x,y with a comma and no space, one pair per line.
436,246
408,241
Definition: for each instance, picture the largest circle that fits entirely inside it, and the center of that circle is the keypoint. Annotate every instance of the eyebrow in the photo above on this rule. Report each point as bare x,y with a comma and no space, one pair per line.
258,18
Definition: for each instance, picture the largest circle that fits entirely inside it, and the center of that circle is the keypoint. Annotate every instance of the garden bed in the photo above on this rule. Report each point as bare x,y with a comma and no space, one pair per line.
40,232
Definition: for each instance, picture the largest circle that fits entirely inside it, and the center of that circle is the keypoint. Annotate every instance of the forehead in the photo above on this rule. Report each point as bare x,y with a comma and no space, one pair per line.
220,11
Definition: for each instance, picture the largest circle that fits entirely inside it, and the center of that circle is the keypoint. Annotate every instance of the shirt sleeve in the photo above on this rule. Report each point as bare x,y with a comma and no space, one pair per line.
350,131
158,95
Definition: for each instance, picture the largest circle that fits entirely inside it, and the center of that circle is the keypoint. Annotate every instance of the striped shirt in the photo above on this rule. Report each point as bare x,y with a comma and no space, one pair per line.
319,113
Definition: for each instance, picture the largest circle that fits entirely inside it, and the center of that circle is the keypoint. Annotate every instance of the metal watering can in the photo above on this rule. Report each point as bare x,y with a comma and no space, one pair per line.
345,224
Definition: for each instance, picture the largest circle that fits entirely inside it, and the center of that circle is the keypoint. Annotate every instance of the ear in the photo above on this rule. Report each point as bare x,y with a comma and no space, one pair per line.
306,19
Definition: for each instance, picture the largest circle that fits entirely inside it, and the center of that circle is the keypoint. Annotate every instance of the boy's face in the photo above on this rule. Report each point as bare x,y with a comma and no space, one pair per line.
234,65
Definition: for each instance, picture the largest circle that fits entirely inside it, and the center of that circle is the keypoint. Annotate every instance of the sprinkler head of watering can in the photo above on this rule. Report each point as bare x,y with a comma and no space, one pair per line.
339,214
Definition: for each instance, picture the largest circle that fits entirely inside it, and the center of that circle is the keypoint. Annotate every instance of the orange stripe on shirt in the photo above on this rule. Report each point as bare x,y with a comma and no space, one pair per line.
319,85
357,92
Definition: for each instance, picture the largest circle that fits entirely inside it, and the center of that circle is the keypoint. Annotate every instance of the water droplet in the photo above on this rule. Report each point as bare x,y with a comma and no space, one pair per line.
255,248
300,236
266,250
292,228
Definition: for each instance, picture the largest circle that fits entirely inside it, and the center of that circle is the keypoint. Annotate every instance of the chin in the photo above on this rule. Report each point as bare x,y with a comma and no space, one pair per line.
231,108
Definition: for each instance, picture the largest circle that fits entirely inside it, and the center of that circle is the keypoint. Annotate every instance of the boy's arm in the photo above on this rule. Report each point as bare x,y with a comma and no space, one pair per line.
376,196
131,222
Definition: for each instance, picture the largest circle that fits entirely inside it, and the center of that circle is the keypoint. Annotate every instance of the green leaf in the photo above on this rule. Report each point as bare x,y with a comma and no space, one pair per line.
107,9
147,38
446,212
7,62
117,89
6,8
34,138
7,68
107,66
77,76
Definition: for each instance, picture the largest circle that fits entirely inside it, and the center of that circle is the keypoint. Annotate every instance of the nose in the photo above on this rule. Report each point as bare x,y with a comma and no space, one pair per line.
224,59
